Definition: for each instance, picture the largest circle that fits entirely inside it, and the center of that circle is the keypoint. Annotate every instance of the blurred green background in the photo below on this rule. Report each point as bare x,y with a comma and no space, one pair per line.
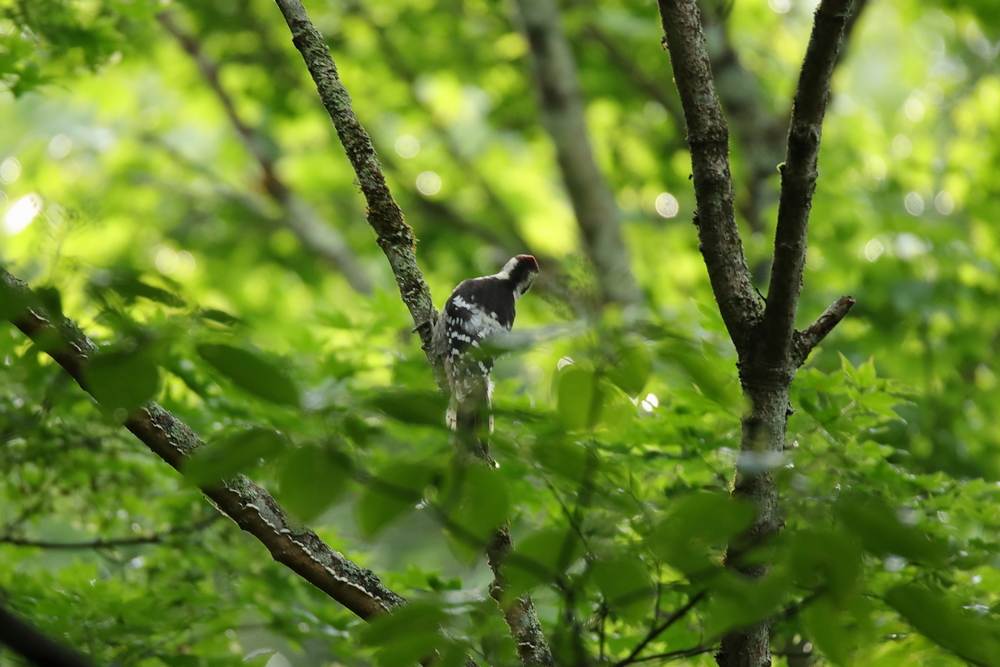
169,178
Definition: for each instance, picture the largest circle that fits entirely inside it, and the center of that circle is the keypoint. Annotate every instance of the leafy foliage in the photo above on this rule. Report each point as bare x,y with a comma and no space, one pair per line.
135,207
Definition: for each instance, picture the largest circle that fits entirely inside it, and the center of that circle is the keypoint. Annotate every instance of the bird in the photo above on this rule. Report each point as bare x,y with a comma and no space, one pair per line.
477,314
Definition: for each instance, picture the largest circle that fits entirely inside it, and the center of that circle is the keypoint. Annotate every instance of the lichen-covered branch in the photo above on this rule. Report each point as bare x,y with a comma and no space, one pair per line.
394,236
597,214
251,507
315,234
798,178
708,137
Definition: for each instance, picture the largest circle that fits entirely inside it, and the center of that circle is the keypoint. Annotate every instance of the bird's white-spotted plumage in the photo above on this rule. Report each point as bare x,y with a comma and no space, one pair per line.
479,310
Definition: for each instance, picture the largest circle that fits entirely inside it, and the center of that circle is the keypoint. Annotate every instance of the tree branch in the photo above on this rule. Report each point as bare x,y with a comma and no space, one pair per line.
394,236
597,214
155,538
312,231
804,341
37,648
251,507
657,630
798,179
708,137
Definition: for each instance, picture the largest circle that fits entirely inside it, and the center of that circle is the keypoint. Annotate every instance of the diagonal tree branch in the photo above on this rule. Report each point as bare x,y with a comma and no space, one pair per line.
39,649
798,178
298,216
393,235
562,108
251,507
398,242
708,136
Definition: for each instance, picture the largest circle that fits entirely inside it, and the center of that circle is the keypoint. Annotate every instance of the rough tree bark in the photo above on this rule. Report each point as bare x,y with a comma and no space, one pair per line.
397,241
768,347
597,215
251,507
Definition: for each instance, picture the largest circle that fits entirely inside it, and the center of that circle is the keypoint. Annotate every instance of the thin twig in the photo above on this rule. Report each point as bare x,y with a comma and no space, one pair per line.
300,218
155,538
656,631
805,340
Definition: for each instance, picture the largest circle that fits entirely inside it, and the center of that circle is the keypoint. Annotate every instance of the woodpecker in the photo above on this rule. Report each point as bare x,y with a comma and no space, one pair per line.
478,311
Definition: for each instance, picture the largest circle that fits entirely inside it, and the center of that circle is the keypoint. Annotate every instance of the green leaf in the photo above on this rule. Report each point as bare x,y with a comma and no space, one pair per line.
578,397
408,635
881,532
312,478
625,584
412,407
121,379
249,371
694,526
394,491
541,557
736,602
481,507
219,316
631,367
825,628
943,621
570,460
223,458
13,302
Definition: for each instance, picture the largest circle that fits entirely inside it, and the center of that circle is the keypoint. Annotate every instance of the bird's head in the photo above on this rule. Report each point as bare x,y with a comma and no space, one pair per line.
520,271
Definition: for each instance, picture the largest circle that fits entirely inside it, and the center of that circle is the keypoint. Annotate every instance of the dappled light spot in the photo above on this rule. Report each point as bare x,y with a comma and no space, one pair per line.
60,146
873,250
655,113
914,109
944,203
666,205
166,261
407,146
908,246
914,203
429,183
10,170
21,213
876,167
902,146
779,6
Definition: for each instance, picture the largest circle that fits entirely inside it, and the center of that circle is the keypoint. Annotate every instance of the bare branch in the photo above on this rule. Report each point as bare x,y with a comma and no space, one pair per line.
658,630
155,538
39,649
312,231
804,341
251,507
562,107
708,137
798,179
394,236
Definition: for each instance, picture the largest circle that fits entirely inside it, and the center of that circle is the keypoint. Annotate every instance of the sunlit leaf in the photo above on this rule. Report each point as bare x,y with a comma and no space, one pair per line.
251,372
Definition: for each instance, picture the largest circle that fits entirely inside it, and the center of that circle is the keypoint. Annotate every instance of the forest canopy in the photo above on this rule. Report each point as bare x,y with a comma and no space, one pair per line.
748,412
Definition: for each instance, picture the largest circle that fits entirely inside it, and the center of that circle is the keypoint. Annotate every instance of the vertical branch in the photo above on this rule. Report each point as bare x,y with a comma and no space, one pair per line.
763,335
708,137
593,202
798,178
398,242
